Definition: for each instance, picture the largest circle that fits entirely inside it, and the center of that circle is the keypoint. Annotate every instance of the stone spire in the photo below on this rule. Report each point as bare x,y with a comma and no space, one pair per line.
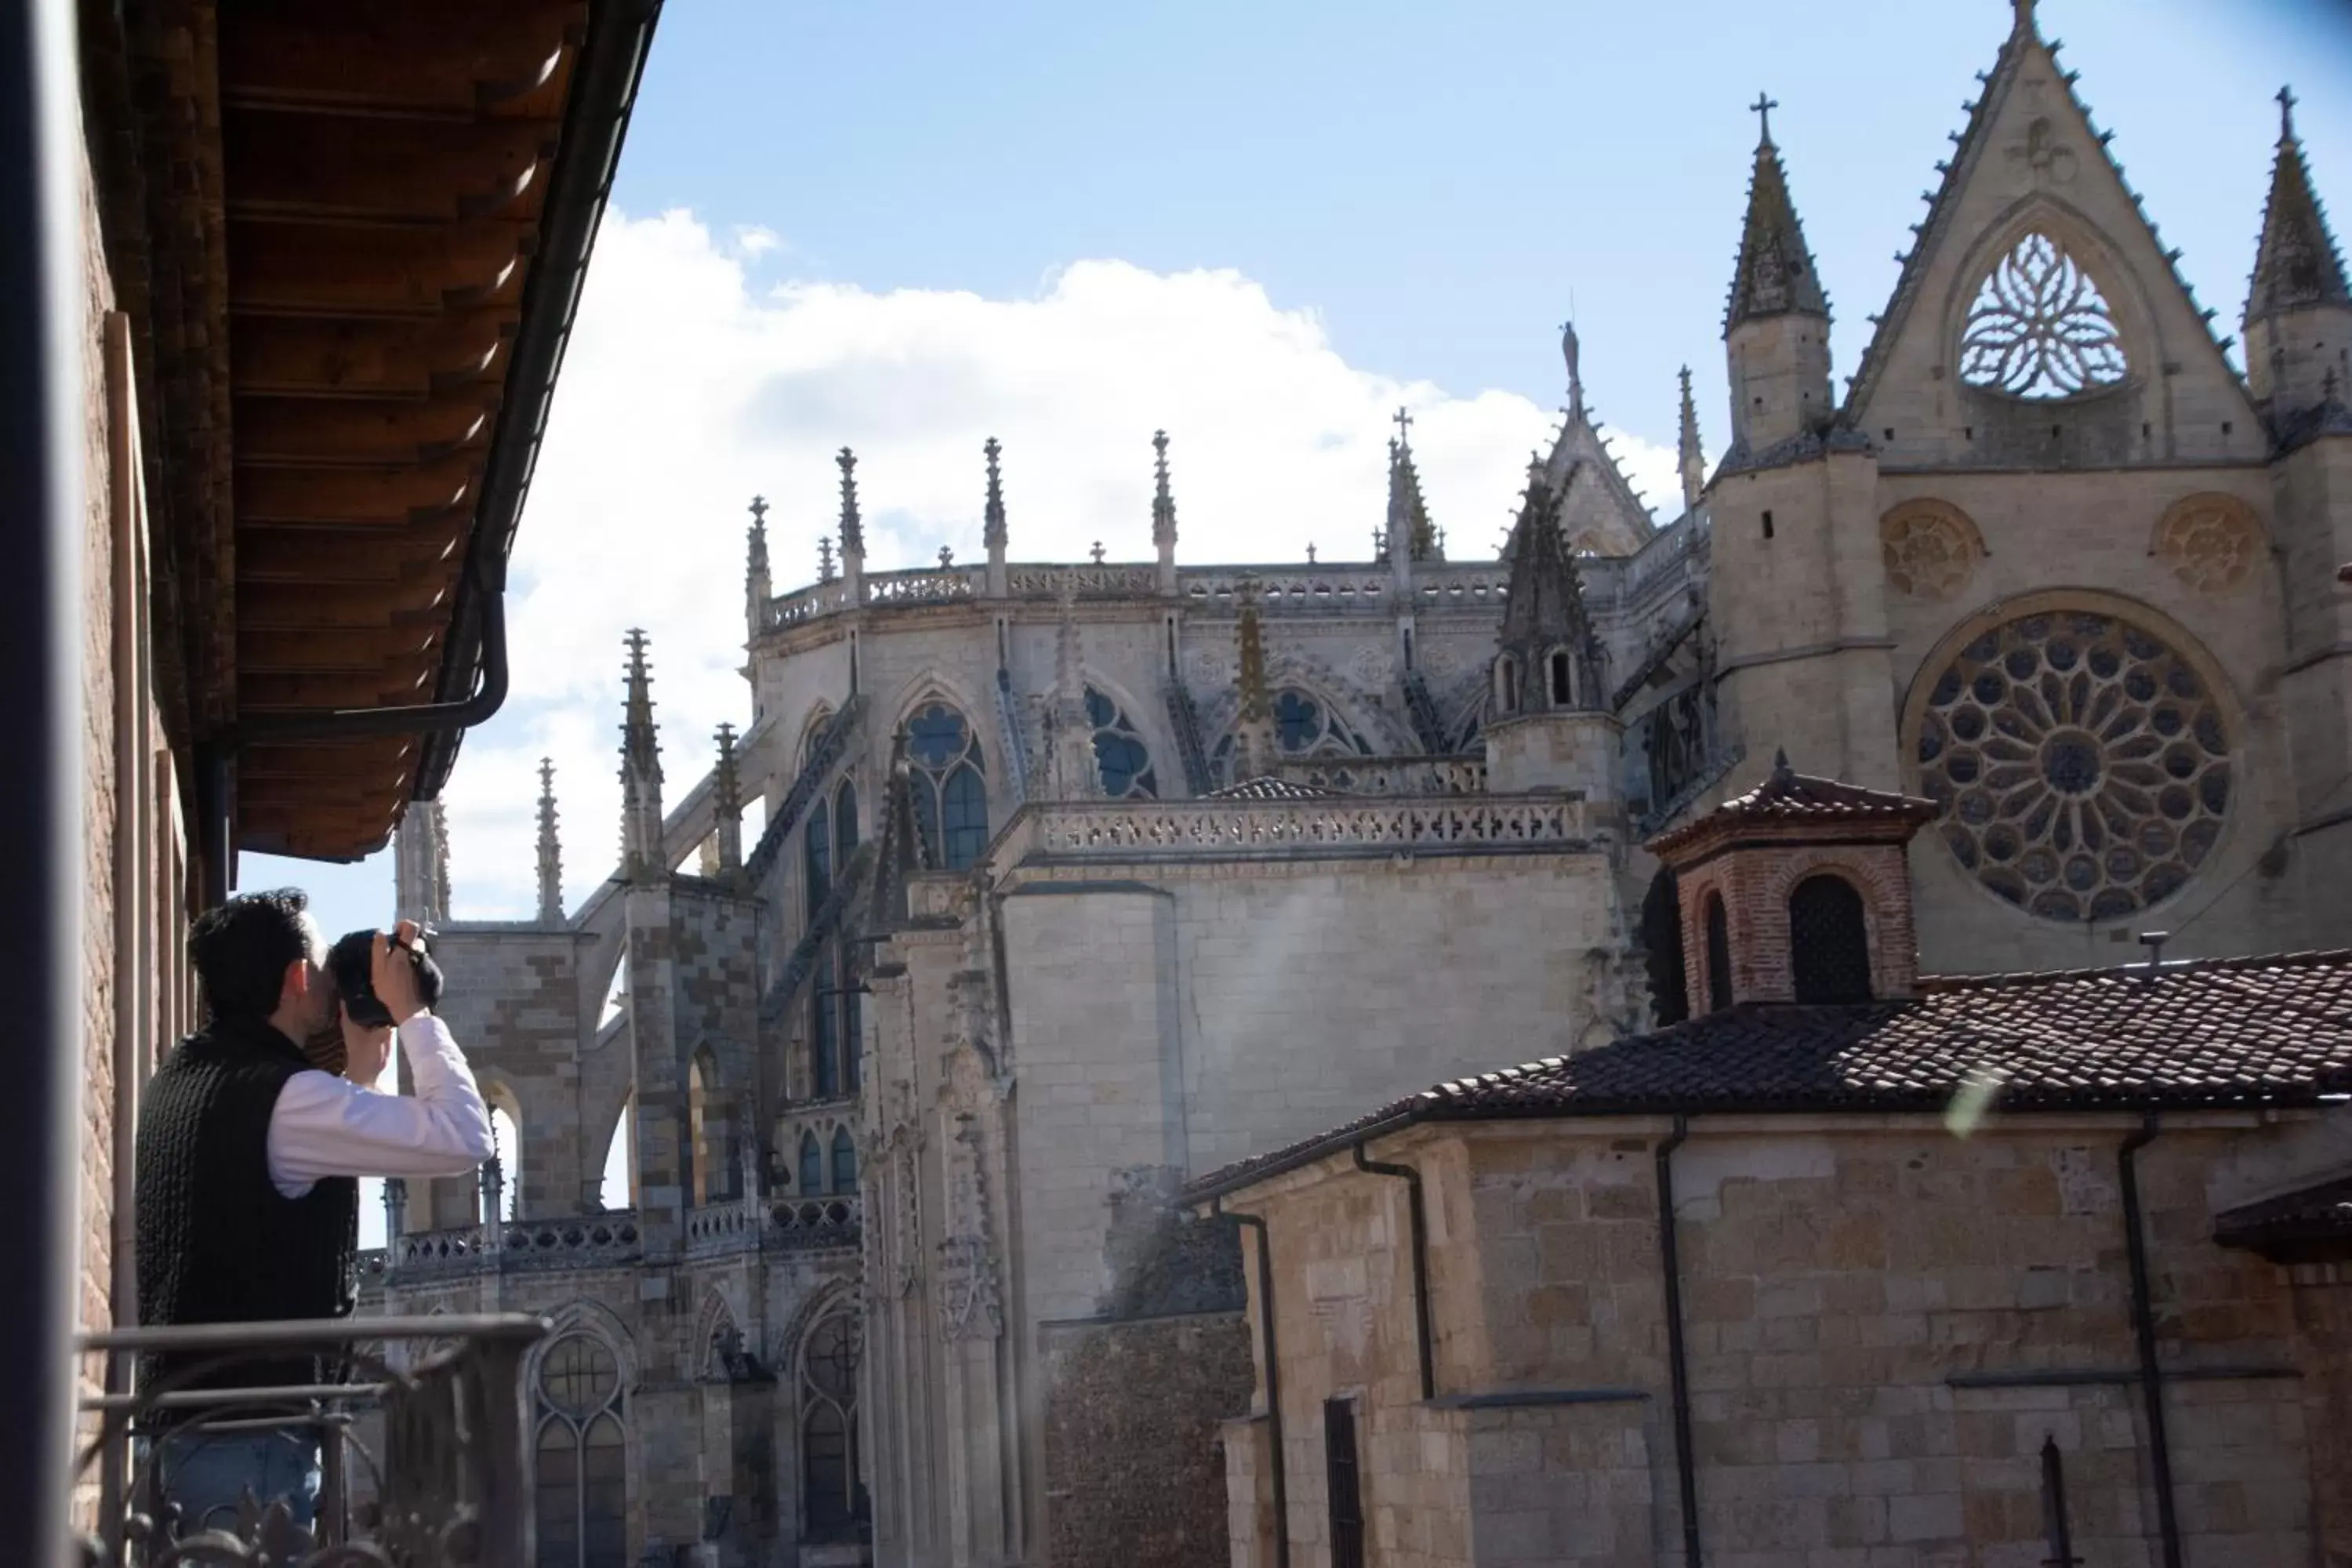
1775,273
1070,772
756,585
1255,746
641,772
1163,512
1694,465
2298,309
726,804
551,852
1409,532
420,864
1544,620
992,530
1568,348
853,527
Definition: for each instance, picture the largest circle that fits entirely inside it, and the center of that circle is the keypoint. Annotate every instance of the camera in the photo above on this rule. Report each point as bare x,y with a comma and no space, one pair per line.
352,963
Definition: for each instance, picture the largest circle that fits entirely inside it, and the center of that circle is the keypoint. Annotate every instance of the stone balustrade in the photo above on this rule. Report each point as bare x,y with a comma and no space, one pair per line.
1408,775
791,1225
1214,829
596,1241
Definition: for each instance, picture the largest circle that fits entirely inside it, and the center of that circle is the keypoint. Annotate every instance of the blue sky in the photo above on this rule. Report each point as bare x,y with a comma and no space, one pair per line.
887,201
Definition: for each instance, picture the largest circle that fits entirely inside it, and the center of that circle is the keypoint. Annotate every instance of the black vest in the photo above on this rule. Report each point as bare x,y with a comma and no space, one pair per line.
217,1242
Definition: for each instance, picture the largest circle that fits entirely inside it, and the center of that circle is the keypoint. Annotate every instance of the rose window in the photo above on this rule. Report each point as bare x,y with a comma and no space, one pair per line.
2039,328
2081,763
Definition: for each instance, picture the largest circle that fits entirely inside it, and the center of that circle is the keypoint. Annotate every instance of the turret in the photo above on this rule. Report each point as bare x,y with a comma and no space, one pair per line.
642,858
2298,322
1551,728
994,532
1776,328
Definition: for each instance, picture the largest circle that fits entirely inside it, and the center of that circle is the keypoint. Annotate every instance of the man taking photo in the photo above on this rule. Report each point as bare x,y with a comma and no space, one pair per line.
247,1161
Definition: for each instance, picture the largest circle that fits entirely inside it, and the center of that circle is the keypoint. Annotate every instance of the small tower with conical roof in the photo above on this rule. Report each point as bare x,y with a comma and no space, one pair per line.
550,851
1551,727
1776,328
1163,514
993,532
641,774
853,529
2298,320
1688,457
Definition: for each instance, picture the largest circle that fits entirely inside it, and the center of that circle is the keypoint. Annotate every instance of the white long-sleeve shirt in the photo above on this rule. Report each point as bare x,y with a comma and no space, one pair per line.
327,1126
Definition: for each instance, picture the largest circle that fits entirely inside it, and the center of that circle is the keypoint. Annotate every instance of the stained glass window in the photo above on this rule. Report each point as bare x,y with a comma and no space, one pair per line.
2083,764
812,1166
1121,758
582,1485
2039,327
844,1160
834,1024
833,1495
950,792
1304,726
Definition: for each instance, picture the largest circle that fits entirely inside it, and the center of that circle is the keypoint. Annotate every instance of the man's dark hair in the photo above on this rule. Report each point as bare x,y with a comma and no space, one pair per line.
241,948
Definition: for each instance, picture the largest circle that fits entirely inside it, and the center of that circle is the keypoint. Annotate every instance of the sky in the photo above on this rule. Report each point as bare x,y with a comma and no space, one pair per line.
907,227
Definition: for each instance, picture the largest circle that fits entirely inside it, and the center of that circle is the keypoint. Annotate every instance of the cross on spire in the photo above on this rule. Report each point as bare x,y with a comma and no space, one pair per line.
1404,427
2286,113
759,511
1764,106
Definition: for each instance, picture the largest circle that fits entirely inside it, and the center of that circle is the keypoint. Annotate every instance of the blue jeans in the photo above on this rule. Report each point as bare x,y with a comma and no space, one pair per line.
208,1474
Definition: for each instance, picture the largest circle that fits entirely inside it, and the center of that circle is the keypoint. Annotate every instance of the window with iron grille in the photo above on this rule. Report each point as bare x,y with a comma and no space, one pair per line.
1346,1483
1718,955
1829,941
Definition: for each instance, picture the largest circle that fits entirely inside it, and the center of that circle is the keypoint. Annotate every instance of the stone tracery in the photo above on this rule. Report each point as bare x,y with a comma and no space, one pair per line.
2082,763
1931,547
2039,327
2210,541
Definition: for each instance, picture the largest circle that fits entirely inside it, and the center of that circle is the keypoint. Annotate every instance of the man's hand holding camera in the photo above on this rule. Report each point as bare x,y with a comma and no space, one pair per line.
392,966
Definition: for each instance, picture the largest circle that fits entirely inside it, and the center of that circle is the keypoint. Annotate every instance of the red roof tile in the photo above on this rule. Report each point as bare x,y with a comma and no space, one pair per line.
1268,787
2266,1031
1790,798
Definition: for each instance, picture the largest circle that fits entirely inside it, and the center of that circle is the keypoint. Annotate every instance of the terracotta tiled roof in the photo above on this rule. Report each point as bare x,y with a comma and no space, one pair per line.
1794,798
2268,1031
1268,787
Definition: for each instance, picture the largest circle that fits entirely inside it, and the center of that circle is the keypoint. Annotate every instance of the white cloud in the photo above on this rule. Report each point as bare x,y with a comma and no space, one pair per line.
685,390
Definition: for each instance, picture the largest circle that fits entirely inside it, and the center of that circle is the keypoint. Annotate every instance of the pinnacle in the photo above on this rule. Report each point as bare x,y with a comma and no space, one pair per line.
1774,274
2296,263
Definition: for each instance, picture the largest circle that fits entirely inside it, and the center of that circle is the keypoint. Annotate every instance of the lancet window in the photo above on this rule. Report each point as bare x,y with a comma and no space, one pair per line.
834,1019
582,1484
833,1495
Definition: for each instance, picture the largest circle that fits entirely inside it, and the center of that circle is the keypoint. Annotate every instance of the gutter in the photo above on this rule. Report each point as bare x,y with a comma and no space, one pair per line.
1416,1212
1273,1377
1677,1362
2151,1374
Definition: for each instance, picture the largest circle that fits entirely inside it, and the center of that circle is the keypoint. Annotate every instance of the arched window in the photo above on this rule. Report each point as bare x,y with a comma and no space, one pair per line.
1718,955
1507,676
812,1181
834,1022
844,1160
833,1496
1121,759
582,1492
506,1142
1661,944
1829,940
950,792
1304,726
1562,690
817,838
697,1126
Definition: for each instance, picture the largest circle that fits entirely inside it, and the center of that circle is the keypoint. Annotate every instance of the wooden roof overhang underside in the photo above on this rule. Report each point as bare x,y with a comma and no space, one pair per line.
403,195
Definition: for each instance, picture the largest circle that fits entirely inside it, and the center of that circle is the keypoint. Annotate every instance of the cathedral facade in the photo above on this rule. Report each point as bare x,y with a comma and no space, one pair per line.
1076,880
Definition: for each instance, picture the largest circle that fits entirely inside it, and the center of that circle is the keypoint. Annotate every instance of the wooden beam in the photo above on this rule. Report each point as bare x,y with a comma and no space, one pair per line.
380,171
445,60
296,555
289,268
301,691
395,496
298,356
319,431
333,604
331,650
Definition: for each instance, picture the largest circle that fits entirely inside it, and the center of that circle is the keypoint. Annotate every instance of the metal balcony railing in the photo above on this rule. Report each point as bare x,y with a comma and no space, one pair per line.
447,1480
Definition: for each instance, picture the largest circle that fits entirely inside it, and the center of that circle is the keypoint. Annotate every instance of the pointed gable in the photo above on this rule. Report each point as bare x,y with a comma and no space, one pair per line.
1597,508
2034,221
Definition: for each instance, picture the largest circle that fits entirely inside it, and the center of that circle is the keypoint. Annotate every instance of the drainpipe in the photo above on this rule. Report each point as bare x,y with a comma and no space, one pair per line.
1273,1376
1678,1366
2151,1375
1420,1262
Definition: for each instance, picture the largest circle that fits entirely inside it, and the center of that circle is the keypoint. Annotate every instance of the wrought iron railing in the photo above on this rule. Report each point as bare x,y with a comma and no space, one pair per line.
447,1481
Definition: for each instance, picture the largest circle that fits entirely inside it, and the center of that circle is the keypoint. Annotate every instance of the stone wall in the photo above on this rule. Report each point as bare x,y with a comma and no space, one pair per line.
1883,1326
1134,1466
